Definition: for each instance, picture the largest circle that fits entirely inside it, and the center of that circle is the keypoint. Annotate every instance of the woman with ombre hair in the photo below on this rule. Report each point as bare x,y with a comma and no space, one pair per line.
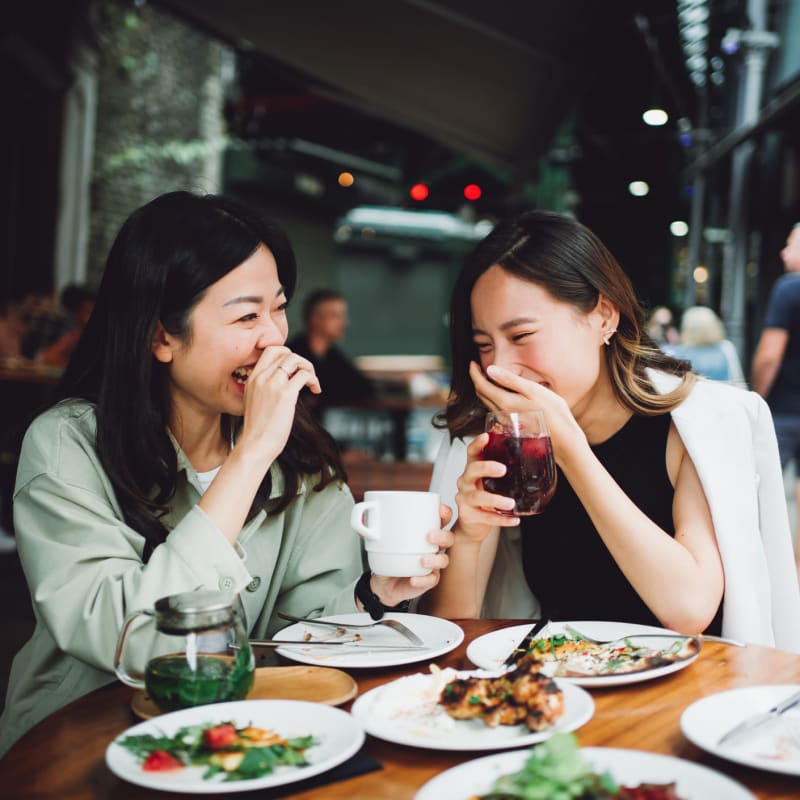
669,501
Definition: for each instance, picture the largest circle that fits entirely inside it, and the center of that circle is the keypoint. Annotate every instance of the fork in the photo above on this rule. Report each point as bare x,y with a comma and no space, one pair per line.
701,637
388,623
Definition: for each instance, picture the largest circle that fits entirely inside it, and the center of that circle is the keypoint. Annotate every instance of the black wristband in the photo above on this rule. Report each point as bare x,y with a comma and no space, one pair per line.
371,601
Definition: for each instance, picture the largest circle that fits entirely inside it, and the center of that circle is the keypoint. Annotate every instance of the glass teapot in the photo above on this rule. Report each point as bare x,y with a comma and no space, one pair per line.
198,654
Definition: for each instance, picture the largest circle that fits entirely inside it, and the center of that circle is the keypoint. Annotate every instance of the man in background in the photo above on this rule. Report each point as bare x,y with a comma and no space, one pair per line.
325,320
776,364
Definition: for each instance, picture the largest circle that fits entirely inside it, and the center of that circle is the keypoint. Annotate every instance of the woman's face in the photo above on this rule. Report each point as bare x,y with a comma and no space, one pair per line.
521,327
237,317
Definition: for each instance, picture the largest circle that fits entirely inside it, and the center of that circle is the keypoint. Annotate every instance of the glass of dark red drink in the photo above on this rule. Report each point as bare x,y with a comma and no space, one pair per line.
520,440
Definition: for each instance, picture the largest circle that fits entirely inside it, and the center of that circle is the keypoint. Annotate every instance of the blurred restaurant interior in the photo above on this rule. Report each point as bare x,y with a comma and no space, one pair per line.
387,138
388,142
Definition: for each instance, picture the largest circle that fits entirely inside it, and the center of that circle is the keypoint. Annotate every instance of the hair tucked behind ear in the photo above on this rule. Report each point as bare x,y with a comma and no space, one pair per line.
573,265
164,258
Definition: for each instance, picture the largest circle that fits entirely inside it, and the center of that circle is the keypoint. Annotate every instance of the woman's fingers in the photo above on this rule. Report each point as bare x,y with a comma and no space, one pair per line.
475,447
502,390
436,560
303,376
490,518
423,583
293,365
280,364
441,538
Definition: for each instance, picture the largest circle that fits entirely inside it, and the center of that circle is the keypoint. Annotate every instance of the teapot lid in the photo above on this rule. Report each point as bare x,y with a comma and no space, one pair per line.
194,602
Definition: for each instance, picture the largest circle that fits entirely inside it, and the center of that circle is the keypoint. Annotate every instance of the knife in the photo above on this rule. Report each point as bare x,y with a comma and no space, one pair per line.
522,648
361,644
757,720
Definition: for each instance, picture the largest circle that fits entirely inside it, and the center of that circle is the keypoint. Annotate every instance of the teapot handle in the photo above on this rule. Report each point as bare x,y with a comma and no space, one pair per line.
119,668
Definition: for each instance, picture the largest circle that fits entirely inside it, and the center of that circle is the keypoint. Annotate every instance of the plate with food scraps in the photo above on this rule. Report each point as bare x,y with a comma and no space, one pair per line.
493,710
474,780
774,746
651,652
439,635
235,747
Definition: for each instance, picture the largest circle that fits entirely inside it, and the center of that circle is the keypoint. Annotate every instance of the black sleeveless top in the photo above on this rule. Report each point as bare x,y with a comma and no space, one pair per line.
566,563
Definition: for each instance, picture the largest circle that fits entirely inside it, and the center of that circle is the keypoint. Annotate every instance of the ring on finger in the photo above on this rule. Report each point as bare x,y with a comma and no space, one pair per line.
284,370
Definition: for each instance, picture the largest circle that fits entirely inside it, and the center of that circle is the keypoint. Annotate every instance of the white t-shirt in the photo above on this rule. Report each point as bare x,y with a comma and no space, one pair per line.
205,478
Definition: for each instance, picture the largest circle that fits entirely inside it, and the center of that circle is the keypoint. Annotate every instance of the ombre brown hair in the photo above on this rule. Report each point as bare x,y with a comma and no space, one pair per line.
568,261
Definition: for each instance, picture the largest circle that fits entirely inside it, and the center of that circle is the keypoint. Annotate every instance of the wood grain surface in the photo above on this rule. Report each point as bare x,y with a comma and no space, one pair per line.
63,756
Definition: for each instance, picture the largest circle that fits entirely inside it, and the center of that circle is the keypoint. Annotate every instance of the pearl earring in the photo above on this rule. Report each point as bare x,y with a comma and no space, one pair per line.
607,337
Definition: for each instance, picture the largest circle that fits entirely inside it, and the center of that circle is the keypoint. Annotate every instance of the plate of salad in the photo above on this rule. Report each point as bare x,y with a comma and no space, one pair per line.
559,768
235,747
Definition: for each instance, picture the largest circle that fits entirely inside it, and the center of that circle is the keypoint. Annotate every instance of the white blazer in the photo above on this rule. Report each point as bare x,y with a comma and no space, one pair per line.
729,435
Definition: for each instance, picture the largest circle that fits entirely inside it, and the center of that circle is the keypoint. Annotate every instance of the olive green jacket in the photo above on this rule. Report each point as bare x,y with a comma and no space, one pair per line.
84,565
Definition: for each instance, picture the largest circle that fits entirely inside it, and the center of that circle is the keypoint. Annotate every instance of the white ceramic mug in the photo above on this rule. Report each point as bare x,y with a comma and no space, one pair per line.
394,526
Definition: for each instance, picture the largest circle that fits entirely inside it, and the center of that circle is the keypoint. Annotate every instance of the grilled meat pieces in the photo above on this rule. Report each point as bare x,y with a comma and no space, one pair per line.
522,695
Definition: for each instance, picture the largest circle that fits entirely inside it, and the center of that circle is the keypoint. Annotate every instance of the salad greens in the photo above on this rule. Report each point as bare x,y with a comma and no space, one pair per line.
555,770
237,753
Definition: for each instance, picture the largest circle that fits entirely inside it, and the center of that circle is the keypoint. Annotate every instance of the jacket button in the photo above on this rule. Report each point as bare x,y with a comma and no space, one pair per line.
226,584
254,584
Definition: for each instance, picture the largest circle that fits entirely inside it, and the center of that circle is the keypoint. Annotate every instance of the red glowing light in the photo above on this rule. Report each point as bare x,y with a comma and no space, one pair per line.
419,191
472,191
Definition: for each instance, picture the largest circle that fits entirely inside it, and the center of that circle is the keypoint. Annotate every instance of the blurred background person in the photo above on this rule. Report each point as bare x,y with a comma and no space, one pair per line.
660,326
43,320
776,364
11,329
703,343
325,322
77,302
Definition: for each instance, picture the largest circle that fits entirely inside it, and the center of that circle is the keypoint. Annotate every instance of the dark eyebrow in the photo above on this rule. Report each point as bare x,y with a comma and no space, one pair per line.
512,323
255,299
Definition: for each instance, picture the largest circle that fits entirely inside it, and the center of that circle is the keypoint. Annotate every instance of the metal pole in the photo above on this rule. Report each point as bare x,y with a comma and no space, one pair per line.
698,205
735,250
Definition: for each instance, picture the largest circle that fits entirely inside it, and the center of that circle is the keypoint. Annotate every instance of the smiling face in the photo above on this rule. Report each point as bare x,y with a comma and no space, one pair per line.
237,317
521,327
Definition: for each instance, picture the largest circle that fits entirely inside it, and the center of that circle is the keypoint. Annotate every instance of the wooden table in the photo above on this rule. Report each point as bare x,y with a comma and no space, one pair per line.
63,757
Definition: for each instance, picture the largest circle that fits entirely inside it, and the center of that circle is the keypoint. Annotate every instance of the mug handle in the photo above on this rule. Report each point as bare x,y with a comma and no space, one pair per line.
357,520
119,667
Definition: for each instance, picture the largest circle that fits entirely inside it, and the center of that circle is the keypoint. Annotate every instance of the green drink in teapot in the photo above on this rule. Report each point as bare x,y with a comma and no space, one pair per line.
198,653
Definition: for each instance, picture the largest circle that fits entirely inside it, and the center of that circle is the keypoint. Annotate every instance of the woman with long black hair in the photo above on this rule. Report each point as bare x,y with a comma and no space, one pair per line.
177,456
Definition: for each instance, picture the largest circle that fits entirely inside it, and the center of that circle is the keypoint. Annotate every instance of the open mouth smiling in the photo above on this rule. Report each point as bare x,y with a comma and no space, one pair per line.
241,374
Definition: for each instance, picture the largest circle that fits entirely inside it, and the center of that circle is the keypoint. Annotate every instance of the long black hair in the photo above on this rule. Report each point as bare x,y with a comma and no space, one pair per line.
164,258
567,260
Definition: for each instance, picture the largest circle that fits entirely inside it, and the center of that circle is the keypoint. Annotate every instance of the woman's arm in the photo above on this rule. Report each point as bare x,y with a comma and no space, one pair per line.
680,579
270,397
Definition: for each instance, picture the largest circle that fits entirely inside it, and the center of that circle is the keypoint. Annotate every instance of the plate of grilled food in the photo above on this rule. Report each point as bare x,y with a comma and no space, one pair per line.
447,709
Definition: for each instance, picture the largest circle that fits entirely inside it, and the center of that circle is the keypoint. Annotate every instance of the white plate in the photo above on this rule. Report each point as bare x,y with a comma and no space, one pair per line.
628,767
490,650
770,747
339,736
406,711
440,636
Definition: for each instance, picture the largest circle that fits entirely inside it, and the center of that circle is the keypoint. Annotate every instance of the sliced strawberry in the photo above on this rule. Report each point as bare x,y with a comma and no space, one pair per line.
220,736
161,761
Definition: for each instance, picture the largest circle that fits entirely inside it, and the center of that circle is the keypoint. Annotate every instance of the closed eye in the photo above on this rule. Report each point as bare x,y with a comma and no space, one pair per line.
519,337
248,318
483,347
